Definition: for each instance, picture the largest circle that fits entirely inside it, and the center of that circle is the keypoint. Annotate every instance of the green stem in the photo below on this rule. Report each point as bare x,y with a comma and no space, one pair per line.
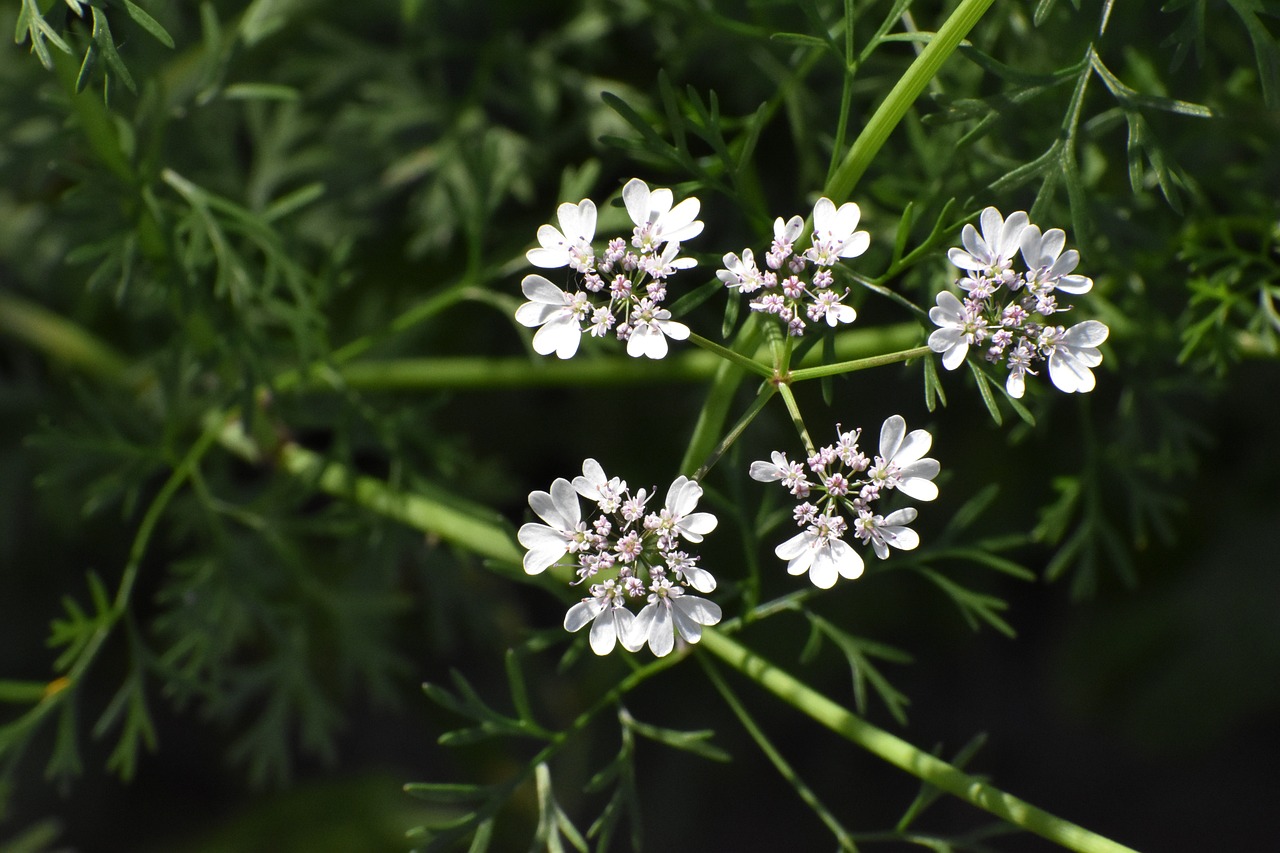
902,96
780,763
903,755
706,432
857,364
756,408
743,361
794,408
62,340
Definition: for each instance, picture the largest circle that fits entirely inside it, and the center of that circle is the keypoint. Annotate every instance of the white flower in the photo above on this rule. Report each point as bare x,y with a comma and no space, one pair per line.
992,252
595,486
610,619
957,332
827,303
557,312
904,450
822,553
885,530
742,274
1073,353
1048,265
678,516
570,245
650,328
562,533
834,234
656,221
668,612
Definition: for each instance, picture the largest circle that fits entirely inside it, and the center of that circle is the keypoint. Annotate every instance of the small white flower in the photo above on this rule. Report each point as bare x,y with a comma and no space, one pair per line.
992,252
563,531
570,245
679,516
650,328
606,611
557,312
1047,265
595,486
670,611
1073,353
827,304
656,221
904,450
1019,366
883,531
820,552
834,234
742,274
957,332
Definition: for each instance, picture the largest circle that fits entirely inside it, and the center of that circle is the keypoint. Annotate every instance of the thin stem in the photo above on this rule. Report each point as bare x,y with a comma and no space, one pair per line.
902,96
794,408
757,406
785,770
858,364
743,361
903,755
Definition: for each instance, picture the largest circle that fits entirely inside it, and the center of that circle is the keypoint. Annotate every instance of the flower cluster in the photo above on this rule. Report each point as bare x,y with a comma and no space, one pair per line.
1010,312
781,288
628,554
839,479
621,289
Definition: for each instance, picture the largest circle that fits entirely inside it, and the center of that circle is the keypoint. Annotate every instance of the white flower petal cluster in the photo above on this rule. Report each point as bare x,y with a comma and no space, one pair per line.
799,285
629,554
1008,312
839,480
622,289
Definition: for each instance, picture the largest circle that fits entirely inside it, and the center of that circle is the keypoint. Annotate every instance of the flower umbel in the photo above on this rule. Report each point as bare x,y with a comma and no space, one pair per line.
1009,312
630,555
623,288
795,286
846,482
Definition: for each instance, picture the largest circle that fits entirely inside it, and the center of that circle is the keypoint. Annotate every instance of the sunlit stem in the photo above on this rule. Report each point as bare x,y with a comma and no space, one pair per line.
902,96
743,361
757,406
857,364
779,762
794,408
903,755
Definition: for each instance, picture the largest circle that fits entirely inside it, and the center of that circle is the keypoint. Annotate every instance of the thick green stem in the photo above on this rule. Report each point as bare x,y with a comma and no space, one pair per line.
903,755
902,96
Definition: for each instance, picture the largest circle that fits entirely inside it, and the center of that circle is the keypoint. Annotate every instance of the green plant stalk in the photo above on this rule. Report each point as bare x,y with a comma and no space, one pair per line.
780,763
62,340
902,96
857,364
745,362
903,755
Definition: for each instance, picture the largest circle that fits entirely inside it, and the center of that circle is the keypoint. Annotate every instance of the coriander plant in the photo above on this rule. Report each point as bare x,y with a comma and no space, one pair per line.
323,323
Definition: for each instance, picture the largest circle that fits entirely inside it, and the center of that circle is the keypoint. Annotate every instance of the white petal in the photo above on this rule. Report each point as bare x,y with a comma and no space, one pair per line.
694,527
539,289
1016,384
635,195
918,488
1090,333
662,634
700,579
609,625
846,560
914,446
683,495
954,357
765,472
1069,374
559,335
891,433
582,613
674,330
536,313
794,547
823,572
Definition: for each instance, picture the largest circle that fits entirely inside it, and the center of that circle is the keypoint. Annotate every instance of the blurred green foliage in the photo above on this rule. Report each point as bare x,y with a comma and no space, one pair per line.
228,213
